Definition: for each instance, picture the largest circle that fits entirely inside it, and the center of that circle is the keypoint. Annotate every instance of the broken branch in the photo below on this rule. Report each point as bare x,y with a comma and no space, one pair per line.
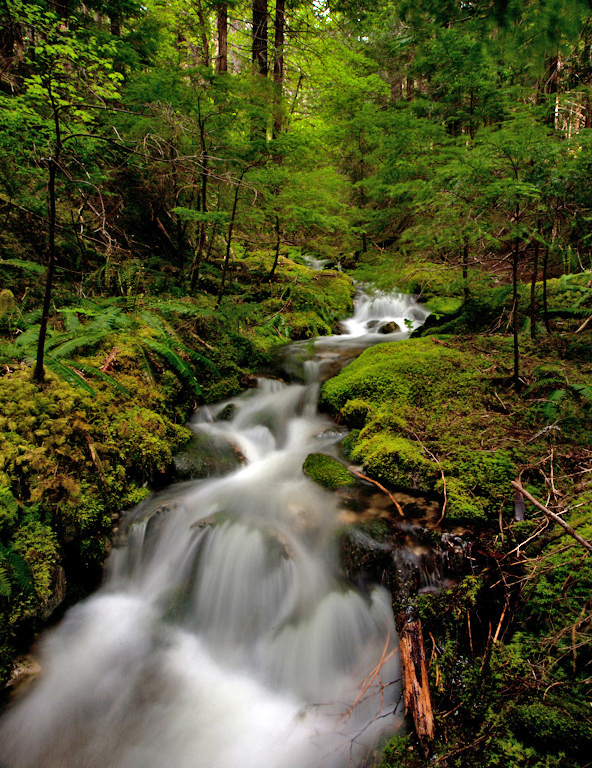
551,515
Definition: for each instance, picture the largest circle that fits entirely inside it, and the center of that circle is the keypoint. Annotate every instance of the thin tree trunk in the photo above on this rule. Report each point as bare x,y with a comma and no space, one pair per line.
535,270
545,305
39,372
260,36
115,22
410,89
465,270
277,250
204,35
278,65
229,239
222,57
515,310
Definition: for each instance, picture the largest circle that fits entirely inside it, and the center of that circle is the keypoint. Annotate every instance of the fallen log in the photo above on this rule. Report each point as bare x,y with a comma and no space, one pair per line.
416,687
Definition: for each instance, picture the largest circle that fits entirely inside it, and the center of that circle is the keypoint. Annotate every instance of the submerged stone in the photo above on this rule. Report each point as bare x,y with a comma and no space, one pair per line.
391,327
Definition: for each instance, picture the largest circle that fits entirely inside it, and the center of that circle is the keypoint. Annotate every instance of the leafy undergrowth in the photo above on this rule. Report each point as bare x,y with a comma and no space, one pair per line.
509,647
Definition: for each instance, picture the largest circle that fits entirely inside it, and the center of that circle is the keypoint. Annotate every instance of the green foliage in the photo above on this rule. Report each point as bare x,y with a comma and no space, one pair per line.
327,471
551,729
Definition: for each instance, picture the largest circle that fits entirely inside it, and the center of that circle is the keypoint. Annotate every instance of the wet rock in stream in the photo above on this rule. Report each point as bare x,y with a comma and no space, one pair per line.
204,457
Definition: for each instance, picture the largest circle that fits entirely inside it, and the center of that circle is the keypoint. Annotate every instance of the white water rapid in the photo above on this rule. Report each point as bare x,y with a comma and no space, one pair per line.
223,635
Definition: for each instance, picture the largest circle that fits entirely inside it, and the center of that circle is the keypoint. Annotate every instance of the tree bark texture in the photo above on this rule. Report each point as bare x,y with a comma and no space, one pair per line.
278,65
535,271
416,687
515,255
260,36
204,35
222,57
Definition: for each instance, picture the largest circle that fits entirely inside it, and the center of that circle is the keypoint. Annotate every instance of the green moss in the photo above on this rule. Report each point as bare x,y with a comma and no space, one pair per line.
349,443
418,372
444,305
38,545
355,412
396,461
401,752
462,506
327,471
550,729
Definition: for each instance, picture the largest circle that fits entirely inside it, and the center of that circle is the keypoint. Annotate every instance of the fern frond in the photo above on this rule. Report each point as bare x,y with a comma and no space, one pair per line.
72,322
198,359
151,320
109,320
66,348
178,365
147,367
181,309
8,500
584,390
569,312
27,266
549,381
5,585
68,374
21,573
32,317
92,371
551,407
27,338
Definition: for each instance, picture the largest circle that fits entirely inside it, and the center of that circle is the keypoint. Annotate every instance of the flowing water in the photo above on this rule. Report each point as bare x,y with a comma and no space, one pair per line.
223,635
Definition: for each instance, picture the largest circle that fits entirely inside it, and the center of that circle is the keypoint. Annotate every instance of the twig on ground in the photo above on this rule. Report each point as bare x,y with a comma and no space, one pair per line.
356,472
555,518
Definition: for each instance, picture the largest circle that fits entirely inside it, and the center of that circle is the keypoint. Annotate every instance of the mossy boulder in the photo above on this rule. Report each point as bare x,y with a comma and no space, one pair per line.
327,471
418,408
396,461
444,305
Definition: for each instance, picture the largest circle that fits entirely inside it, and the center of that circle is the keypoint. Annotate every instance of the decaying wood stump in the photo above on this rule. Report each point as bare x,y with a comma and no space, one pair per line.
416,687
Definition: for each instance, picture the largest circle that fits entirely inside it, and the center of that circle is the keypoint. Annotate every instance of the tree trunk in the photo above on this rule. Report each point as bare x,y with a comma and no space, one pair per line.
535,270
11,41
277,250
115,21
39,372
516,376
229,239
222,57
260,36
545,305
409,89
278,65
204,35
465,270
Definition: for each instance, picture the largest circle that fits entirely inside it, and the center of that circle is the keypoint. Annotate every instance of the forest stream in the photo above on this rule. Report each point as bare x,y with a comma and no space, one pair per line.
224,634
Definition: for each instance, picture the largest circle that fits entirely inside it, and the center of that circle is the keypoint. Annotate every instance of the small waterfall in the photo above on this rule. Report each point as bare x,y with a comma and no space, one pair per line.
223,634
380,317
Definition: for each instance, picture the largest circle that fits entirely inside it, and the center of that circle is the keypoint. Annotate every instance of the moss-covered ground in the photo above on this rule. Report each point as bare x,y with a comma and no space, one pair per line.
510,647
